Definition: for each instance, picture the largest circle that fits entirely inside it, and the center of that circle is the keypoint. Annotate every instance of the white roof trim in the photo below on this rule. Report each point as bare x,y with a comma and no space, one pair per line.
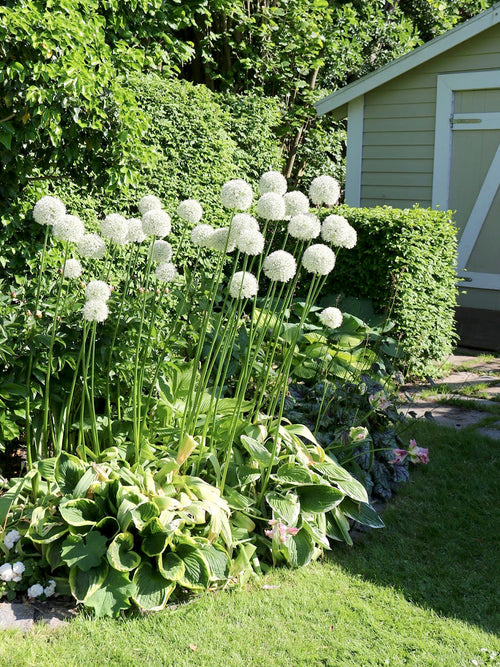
418,56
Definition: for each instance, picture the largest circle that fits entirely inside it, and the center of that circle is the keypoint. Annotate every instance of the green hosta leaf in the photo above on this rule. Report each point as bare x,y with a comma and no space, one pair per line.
47,532
80,512
354,490
68,472
84,584
88,478
171,566
362,513
257,451
346,482
113,595
300,548
154,538
291,473
318,497
46,468
52,553
152,590
332,470
196,573
217,560
342,524
236,500
143,513
124,514
120,554
84,553
284,507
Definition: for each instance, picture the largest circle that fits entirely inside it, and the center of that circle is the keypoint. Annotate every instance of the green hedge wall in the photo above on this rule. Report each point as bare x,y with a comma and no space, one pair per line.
404,262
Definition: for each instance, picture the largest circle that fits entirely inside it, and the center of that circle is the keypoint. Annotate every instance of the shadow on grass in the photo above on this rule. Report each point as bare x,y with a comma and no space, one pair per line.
441,543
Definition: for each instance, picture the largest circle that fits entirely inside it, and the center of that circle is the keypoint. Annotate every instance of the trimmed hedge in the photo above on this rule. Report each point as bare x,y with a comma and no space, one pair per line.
404,262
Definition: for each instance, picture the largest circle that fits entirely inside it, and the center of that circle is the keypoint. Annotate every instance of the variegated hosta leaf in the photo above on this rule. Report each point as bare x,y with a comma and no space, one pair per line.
196,572
218,561
318,497
152,590
171,566
80,512
362,513
84,584
68,471
121,555
285,507
143,513
113,595
299,548
84,552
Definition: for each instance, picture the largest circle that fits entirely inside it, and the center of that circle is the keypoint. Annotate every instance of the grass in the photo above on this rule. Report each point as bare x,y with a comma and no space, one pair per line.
478,390
421,592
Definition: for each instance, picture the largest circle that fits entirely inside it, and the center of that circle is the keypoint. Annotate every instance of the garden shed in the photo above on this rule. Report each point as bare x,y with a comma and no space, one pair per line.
426,129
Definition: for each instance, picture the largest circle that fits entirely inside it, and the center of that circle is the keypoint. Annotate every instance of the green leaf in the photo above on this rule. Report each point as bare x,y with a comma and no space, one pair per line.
217,560
300,548
120,554
171,566
318,497
291,473
84,584
46,532
284,507
362,513
68,472
113,595
257,451
84,553
154,538
80,512
143,513
196,574
152,590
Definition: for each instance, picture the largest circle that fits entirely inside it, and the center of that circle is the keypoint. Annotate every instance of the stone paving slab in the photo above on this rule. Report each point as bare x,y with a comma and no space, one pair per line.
24,616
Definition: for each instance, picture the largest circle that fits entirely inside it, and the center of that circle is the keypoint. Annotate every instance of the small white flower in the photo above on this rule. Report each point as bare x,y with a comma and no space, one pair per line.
156,222
93,246
95,310
190,210
280,266
162,251
98,289
72,268
271,206
295,202
50,589
149,203
115,228
11,538
331,317
17,569
201,234
48,209
250,242
166,272
35,591
220,240
68,228
242,222
6,572
236,194
243,285
273,181
304,226
337,231
135,233
319,259
324,190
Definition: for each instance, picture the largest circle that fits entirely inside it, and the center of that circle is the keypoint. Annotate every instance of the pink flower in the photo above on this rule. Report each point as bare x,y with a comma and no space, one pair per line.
281,530
379,401
418,454
400,455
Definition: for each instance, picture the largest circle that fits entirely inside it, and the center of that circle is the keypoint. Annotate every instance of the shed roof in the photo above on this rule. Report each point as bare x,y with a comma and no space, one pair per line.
437,46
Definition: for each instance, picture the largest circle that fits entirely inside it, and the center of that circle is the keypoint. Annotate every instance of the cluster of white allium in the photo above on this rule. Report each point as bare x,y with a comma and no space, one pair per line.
166,272
280,266
48,209
243,285
95,310
331,317
318,259
201,234
162,251
12,572
135,233
273,181
115,228
98,289
68,228
304,226
271,206
92,245
324,190
243,222
236,194
156,222
37,590
337,231
190,210
72,268
250,242
11,538
295,203
220,240
149,203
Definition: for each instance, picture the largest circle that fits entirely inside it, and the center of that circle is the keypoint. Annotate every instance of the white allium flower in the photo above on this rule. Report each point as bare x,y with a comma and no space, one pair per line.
220,240
95,310
243,285
72,268
11,538
156,222
250,242
149,203
166,271
201,234
135,233
162,251
50,589
331,317
295,202
337,231
35,591
304,226
190,210
68,228
236,194
271,206
273,181
93,246
324,190
319,259
98,289
48,209
242,222
115,228
6,572
280,266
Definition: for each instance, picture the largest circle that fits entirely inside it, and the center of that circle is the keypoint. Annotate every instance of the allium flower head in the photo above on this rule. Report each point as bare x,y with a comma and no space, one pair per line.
250,242
337,231
319,259
190,210
95,310
201,234
149,203
304,226
11,538
324,190
68,228
220,240
273,181
280,266
243,222
135,233
92,245
243,285
236,194
162,251
166,272
48,209
72,268
35,591
6,572
271,206
331,317
98,289
115,228
295,202
156,222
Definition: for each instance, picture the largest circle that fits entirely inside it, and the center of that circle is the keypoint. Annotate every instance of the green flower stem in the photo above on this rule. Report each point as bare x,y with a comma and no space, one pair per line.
81,431
91,398
63,430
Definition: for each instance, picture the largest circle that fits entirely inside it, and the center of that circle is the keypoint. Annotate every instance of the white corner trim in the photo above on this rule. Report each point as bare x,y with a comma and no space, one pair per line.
354,157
